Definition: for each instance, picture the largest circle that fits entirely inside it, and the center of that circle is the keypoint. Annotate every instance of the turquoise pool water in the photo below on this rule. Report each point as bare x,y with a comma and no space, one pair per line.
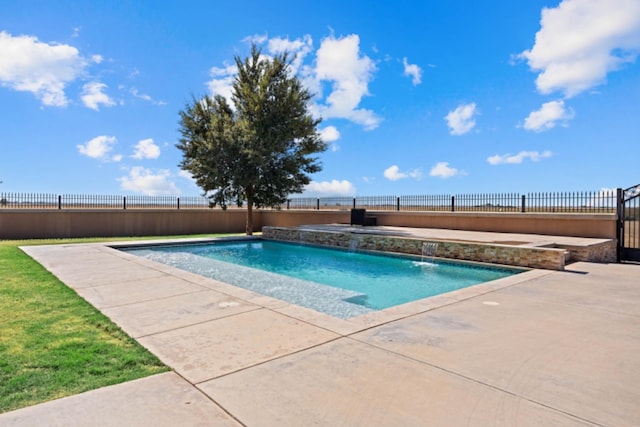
338,282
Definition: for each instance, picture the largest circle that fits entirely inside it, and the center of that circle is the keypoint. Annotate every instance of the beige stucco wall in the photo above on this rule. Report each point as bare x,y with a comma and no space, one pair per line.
25,224
111,223
293,218
577,225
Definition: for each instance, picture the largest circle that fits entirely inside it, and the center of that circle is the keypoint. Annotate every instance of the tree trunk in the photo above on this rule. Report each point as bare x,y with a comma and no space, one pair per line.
249,228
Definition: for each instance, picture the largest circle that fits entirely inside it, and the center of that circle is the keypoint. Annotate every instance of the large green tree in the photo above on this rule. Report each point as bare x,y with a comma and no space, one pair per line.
261,149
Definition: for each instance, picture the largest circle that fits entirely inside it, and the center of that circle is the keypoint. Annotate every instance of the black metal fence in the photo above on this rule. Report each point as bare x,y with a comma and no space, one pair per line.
629,224
576,202
91,201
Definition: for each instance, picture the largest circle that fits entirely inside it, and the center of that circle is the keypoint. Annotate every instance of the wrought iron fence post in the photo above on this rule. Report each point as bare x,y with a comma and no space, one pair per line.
288,204
524,203
398,204
318,204
178,203
620,223
59,202
354,203
124,203
453,203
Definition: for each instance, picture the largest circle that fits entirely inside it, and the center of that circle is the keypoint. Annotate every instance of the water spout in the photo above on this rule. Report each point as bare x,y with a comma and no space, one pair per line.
353,244
429,250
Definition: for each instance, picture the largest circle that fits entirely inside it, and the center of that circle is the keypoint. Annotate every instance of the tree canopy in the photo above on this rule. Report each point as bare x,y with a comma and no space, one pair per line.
259,149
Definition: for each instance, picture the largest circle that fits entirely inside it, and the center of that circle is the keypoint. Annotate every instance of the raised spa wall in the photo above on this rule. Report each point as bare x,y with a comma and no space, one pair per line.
520,256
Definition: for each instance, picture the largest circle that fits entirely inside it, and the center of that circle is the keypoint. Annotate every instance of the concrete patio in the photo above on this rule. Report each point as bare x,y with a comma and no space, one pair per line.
542,348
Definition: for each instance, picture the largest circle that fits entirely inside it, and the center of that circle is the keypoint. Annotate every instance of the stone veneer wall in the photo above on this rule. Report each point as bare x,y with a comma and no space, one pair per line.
603,252
530,257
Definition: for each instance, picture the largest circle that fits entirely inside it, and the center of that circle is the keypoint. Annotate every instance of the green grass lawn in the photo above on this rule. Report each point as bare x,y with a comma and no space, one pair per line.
52,342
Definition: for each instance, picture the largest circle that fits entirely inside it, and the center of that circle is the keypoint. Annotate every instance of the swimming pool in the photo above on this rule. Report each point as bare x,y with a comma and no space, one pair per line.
337,282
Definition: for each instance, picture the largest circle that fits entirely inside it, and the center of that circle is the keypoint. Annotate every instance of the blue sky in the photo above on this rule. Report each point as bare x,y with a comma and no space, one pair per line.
419,97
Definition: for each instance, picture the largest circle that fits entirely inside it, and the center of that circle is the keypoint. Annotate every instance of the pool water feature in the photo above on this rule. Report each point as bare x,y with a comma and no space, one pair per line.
342,283
429,250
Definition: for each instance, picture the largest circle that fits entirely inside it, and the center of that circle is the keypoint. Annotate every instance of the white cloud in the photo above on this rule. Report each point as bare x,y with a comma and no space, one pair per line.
548,116
604,198
581,41
393,173
518,158
223,77
443,170
139,95
330,188
256,38
222,81
134,91
281,45
329,134
146,181
298,49
93,96
413,71
339,61
460,120
186,175
146,149
43,69
99,148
